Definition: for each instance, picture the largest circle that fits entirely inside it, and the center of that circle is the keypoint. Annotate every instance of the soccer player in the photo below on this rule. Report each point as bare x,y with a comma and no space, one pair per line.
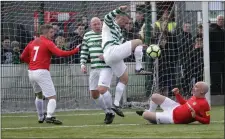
100,74
185,111
115,50
37,55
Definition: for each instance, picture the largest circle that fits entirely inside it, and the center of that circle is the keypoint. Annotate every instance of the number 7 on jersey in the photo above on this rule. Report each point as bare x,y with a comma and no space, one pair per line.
36,48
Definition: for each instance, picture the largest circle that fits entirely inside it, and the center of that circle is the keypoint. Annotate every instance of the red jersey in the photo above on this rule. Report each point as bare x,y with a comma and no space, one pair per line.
38,53
182,113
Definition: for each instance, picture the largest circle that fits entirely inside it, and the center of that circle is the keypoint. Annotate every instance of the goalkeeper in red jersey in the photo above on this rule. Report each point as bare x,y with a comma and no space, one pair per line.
185,111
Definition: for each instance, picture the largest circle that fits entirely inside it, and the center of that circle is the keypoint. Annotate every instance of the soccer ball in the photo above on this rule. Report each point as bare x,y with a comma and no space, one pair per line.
153,51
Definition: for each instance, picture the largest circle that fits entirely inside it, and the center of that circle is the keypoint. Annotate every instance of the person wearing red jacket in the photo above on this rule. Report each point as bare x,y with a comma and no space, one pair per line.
194,109
37,55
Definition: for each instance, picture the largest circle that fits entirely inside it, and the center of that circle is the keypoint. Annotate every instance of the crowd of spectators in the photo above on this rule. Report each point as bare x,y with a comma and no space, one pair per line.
180,49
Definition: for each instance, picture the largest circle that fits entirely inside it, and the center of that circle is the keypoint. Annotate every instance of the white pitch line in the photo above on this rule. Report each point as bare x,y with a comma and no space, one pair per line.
80,126
82,114
77,126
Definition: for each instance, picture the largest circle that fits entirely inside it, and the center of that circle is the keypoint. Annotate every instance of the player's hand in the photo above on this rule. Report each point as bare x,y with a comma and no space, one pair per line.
123,8
101,57
78,46
176,91
83,69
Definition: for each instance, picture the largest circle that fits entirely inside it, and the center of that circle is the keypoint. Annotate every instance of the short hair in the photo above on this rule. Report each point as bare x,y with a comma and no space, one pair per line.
45,28
6,38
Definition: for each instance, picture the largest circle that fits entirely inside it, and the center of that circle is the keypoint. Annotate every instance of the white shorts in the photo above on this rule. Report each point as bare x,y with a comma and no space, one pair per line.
114,55
100,77
166,117
42,82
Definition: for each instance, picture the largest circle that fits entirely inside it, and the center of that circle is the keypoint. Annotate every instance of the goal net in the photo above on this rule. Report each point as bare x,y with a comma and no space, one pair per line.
181,62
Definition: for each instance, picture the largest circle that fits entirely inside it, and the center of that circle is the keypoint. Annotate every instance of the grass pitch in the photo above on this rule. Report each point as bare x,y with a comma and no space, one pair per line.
89,124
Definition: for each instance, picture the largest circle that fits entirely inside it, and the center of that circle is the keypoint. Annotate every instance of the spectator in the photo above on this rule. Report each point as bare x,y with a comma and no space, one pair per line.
139,21
16,52
23,36
6,52
57,30
197,63
217,58
168,59
85,22
185,53
76,38
61,43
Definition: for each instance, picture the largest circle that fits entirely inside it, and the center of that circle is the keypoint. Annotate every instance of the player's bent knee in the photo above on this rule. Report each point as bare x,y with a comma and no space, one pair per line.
157,98
102,89
146,115
94,94
39,95
135,43
124,78
149,116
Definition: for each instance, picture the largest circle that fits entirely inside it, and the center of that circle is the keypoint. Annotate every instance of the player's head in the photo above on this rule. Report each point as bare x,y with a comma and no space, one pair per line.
200,89
122,20
47,30
96,24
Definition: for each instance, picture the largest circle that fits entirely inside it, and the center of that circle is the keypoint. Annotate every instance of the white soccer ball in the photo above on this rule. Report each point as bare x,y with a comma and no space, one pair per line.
153,51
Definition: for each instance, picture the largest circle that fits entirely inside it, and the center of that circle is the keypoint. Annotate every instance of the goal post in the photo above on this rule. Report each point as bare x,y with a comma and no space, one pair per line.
205,21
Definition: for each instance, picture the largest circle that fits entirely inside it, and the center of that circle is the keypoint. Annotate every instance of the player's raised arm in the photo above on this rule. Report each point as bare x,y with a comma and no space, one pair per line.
58,52
178,96
25,55
108,19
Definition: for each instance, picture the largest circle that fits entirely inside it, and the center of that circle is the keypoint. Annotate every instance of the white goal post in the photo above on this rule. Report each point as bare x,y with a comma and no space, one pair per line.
205,18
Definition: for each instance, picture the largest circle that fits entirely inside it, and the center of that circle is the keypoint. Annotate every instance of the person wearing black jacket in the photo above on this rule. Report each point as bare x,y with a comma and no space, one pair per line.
217,56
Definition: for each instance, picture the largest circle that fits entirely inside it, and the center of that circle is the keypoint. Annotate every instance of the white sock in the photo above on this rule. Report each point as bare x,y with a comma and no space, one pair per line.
39,106
108,101
119,92
138,53
51,107
101,103
153,106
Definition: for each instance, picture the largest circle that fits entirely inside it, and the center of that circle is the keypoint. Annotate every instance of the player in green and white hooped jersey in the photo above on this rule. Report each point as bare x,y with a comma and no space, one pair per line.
115,50
100,74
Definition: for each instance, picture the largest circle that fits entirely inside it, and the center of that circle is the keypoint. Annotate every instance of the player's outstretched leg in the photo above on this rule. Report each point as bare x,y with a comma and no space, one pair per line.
39,106
50,111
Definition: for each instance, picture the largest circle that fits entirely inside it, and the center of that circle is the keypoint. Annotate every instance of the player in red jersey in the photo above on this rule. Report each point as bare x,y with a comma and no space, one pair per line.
37,55
185,111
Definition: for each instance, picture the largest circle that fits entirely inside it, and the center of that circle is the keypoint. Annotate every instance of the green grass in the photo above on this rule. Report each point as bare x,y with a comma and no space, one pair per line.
89,124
